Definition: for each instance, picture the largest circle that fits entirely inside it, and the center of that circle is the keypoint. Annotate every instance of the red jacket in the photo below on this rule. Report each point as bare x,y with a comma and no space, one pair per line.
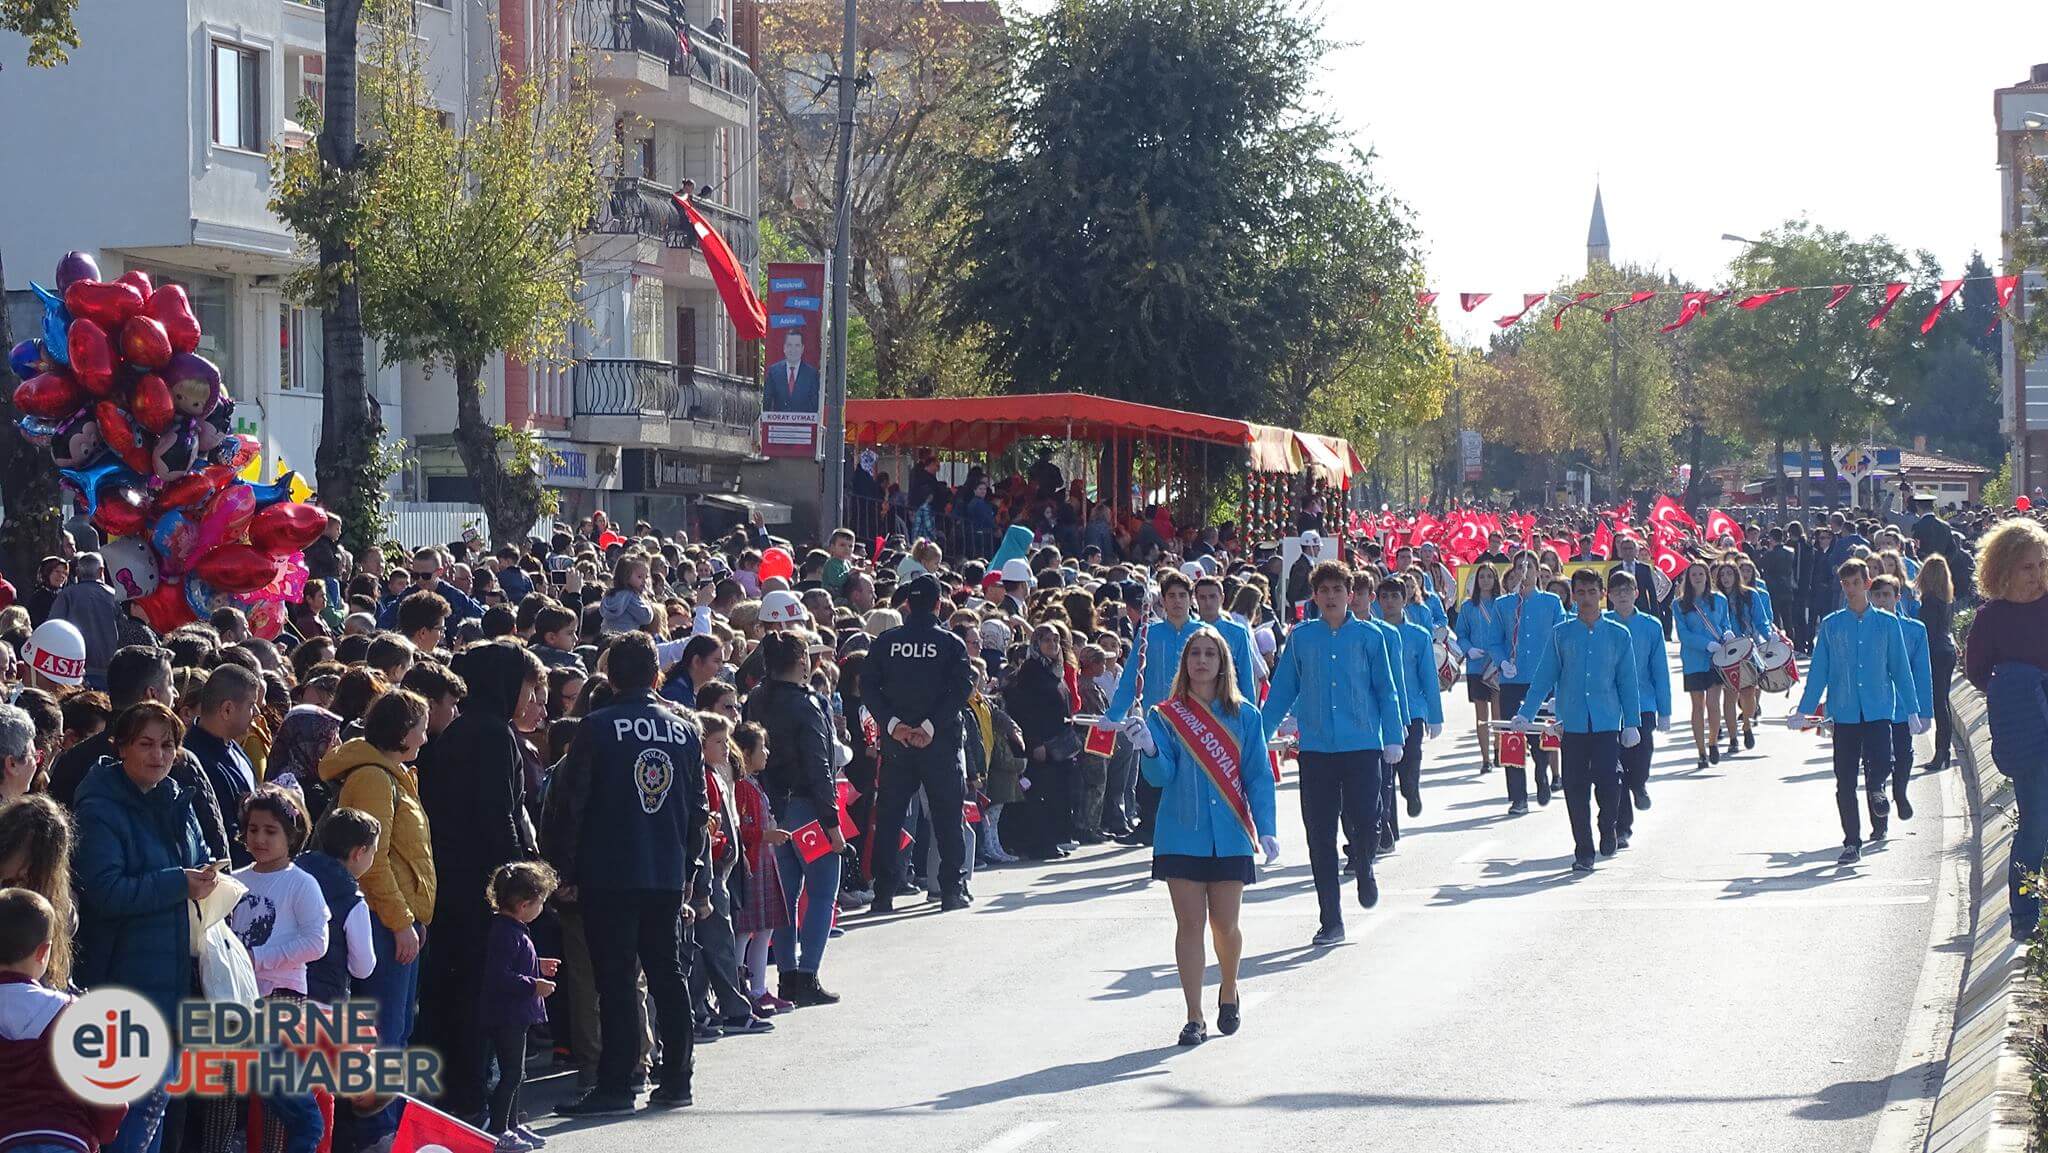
36,1108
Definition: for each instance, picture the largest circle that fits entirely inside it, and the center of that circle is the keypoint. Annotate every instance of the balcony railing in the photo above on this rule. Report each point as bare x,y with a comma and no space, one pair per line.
637,206
609,386
659,29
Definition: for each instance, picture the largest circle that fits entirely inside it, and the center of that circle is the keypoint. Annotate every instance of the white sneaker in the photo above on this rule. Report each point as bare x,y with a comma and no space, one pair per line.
1070,846
532,1139
510,1142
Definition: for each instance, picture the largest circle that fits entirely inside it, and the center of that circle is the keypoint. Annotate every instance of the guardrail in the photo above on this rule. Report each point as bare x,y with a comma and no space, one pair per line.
618,386
637,206
660,30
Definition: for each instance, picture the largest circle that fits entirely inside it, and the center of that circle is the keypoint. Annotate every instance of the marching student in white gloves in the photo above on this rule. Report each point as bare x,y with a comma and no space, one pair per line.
1653,693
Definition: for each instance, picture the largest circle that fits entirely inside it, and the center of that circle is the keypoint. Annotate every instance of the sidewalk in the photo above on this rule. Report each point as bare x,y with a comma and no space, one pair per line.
1983,1103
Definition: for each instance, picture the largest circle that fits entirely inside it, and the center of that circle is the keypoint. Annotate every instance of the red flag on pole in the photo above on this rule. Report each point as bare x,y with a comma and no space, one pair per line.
1840,294
1529,301
422,1127
1471,300
1668,513
1892,292
2006,285
1634,299
1557,318
1720,524
1603,541
1948,289
1668,560
749,319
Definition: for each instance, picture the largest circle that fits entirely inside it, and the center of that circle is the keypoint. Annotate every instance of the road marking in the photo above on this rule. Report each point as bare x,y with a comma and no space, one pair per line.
1015,1139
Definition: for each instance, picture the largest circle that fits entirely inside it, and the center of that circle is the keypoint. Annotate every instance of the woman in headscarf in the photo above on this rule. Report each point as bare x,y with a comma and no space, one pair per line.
307,734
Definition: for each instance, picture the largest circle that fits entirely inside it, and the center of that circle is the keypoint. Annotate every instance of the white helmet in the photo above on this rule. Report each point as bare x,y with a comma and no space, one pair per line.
783,607
1017,571
57,650
1193,570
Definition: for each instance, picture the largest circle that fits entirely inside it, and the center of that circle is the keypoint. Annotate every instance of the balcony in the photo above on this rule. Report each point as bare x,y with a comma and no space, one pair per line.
644,209
655,404
645,49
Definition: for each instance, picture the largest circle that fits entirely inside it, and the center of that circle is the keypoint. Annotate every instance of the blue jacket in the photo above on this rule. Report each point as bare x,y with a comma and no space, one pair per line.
1437,617
1860,662
1162,644
1477,628
2017,707
1391,637
1699,630
1244,663
1920,702
1193,818
327,979
461,608
1759,622
1526,623
129,867
1592,671
233,778
1339,684
1653,664
1421,695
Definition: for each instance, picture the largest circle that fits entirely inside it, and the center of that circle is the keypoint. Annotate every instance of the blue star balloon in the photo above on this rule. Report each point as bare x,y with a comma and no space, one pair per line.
86,481
56,324
275,492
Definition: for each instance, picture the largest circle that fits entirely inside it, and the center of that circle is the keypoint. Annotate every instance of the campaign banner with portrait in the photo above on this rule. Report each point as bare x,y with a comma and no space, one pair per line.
792,388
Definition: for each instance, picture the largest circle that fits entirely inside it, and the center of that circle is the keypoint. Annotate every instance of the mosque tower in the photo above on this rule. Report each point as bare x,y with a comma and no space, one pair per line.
1596,235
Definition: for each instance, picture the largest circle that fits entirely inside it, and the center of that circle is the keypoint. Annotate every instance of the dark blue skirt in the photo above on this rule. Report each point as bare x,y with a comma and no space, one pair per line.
1207,870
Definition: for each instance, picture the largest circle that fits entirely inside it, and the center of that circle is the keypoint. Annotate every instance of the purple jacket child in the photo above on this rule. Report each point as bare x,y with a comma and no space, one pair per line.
511,966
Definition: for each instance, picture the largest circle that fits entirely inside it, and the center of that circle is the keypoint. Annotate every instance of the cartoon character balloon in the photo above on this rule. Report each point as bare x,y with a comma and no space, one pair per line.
130,567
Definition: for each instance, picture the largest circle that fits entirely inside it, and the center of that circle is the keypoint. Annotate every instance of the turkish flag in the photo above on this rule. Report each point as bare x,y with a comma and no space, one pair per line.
905,841
1529,301
749,319
1752,303
1550,742
1563,548
1948,289
970,812
1668,513
1514,749
1668,560
1471,300
422,1127
1426,528
1634,298
1100,742
1603,541
2005,286
810,841
1557,318
1720,524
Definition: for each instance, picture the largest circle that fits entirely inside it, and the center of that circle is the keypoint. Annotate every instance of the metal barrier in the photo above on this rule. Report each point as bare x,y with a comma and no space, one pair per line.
606,386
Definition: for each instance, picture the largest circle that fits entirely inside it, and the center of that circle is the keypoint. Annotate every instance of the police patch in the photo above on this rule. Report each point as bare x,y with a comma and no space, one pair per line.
653,773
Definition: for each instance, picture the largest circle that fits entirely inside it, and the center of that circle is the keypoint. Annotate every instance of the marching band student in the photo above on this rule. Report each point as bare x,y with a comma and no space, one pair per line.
1244,651
1528,616
1892,564
1747,617
1701,617
1653,693
1421,696
1859,663
1589,663
1365,605
1884,595
1478,634
1336,666
1753,580
1157,653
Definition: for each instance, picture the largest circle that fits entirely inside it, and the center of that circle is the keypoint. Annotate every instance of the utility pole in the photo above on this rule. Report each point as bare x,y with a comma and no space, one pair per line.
833,513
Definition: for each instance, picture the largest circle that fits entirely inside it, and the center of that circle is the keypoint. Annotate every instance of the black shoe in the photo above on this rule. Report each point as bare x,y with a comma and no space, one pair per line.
1517,808
1386,840
1607,846
1642,796
1748,737
747,1025
1556,783
708,1032
1415,805
1368,890
803,989
1194,1033
1542,793
1902,806
881,904
1621,840
670,1097
1226,1018
1326,936
1713,753
1703,760
1087,838
597,1103
952,901
1485,767
1850,855
1582,866
1731,748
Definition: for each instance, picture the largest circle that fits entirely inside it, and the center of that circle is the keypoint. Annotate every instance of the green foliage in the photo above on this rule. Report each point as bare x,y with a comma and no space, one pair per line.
2030,250
1997,491
47,24
1614,379
324,206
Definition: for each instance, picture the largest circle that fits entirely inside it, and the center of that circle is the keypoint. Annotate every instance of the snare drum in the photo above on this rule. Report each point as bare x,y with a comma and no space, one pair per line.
1446,665
1736,662
1776,672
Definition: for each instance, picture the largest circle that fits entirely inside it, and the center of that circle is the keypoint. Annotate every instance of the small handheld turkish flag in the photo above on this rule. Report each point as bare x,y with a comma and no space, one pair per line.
811,842
906,841
422,1128
970,813
1101,742
1551,741
1514,750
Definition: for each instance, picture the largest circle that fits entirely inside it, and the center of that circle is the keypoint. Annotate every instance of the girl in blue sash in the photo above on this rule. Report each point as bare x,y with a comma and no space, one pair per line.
1205,750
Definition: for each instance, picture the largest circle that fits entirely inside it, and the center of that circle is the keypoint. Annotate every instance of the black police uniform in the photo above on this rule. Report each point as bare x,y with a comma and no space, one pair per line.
918,673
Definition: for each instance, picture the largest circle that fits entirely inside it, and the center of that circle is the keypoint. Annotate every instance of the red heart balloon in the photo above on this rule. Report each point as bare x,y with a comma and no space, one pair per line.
118,429
188,491
236,568
145,342
170,307
165,608
52,396
107,303
227,517
140,280
92,357
286,527
124,510
151,402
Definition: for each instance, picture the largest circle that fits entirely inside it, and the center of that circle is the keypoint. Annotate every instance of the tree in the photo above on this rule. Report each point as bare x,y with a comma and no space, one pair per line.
923,109
467,242
28,485
318,194
2029,243
1113,247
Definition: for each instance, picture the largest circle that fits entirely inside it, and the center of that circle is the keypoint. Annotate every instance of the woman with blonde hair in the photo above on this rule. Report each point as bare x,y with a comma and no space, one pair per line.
1204,748
35,854
2009,638
1937,612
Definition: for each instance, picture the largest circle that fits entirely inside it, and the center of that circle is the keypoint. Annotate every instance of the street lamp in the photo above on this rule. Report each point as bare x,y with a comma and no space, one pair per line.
1737,239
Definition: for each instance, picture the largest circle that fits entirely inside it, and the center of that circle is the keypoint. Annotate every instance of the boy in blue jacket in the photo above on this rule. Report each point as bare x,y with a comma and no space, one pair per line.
1653,694
1421,698
1859,662
1884,594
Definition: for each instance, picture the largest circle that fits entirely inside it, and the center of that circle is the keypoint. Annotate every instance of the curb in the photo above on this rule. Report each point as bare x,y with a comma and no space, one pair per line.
1983,1102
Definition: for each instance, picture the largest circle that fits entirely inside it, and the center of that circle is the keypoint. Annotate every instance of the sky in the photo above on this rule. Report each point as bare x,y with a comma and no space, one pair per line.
1494,120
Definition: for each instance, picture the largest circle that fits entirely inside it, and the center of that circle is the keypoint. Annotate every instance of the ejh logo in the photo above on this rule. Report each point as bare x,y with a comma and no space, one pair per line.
111,1046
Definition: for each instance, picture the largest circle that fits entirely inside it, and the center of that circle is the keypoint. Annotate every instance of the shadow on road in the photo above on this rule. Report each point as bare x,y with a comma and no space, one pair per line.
1059,1079
1841,1101
1152,978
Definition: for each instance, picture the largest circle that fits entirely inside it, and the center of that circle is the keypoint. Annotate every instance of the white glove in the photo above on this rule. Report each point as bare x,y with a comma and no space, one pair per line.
1507,669
1798,720
1474,654
1664,723
1521,724
1392,754
842,754
1106,725
1916,723
1631,737
1140,735
1024,783
1289,728
1727,635
1434,731
1271,847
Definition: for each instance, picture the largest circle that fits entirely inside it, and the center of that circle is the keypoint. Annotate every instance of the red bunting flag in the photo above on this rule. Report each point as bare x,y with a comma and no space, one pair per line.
1689,309
1752,303
1841,293
2006,285
1471,300
1892,292
421,1127
1720,524
1634,299
1557,318
1425,299
735,287
1948,289
1529,301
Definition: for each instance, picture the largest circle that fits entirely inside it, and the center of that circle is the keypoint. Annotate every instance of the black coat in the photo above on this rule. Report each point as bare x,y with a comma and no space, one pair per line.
799,746
1037,701
473,780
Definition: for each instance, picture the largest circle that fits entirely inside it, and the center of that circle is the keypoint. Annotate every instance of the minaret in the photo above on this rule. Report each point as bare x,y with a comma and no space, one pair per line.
1596,236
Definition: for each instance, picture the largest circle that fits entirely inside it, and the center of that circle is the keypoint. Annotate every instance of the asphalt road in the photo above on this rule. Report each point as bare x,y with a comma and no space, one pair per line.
1722,984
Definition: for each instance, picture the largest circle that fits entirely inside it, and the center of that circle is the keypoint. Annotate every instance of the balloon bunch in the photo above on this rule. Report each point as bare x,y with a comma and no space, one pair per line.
142,433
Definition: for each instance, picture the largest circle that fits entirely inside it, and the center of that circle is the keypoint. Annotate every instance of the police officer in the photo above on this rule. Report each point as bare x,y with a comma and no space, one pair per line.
626,826
916,682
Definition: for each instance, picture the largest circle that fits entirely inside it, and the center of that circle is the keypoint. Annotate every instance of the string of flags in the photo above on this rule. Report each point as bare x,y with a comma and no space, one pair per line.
1692,304
1464,535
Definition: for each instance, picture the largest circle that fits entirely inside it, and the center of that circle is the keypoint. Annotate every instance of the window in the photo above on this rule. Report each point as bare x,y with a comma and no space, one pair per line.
647,340
303,352
237,97
647,157
313,80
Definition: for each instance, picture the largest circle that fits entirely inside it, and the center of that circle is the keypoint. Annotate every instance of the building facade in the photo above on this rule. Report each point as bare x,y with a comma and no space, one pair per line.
2022,118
